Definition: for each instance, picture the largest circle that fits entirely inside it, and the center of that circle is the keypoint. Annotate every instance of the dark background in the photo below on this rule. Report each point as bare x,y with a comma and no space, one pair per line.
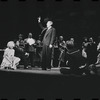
71,18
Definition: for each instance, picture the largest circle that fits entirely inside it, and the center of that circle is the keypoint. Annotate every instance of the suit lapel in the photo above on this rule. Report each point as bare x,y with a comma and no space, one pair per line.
47,32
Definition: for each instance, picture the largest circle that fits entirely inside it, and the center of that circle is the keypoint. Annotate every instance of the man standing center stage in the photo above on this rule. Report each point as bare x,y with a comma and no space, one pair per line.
48,41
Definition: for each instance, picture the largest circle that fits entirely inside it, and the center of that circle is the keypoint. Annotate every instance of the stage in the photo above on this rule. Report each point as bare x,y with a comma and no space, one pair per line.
35,84
36,70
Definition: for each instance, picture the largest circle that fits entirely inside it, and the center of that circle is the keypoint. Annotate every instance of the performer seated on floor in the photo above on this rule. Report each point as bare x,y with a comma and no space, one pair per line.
9,60
75,60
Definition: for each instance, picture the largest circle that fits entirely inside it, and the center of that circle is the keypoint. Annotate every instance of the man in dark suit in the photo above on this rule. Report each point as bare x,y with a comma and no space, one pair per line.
48,41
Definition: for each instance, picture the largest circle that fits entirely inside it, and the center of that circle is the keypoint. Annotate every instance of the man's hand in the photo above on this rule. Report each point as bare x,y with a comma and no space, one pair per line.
50,46
39,19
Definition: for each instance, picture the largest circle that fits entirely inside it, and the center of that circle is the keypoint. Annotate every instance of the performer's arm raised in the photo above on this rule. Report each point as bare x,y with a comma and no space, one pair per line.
40,24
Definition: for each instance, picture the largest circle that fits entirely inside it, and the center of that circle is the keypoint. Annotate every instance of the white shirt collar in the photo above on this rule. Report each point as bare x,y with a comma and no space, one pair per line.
49,27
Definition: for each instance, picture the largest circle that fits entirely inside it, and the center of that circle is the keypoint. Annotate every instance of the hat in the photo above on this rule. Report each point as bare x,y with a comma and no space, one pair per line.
46,19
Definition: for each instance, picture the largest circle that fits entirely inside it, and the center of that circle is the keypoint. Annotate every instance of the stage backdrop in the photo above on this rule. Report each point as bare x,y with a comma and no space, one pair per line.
71,18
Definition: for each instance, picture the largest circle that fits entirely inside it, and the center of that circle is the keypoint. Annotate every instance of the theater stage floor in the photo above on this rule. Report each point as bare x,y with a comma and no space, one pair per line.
53,71
35,83
38,70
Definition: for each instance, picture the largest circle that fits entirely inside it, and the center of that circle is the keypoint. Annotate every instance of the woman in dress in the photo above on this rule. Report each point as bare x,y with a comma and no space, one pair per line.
9,60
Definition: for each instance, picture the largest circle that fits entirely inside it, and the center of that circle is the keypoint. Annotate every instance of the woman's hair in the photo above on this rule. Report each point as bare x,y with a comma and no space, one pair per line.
10,44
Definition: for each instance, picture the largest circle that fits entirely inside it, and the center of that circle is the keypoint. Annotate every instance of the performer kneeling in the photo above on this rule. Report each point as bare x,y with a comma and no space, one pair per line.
9,60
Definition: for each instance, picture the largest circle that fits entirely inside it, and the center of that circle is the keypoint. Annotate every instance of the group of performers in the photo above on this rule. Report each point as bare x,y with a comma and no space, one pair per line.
26,49
51,52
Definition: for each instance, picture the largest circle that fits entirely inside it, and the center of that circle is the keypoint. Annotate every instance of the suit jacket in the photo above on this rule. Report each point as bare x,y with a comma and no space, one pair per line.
49,37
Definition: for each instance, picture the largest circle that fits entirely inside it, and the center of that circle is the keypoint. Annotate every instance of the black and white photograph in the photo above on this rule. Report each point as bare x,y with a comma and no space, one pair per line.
49,49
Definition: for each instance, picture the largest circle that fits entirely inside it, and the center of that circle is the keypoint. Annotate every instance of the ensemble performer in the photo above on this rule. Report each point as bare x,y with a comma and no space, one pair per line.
56,53
85,43
9,59
20,50
75,61
91,51
48,41
30,48
62,47
98,49
38,50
